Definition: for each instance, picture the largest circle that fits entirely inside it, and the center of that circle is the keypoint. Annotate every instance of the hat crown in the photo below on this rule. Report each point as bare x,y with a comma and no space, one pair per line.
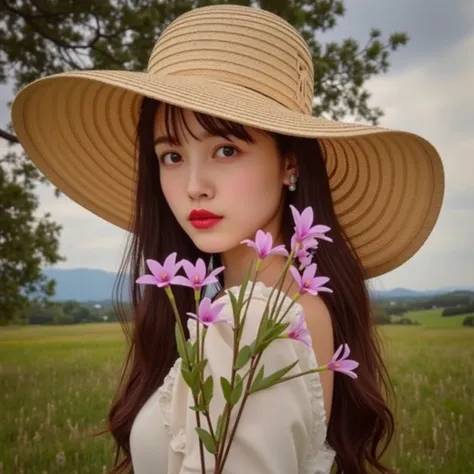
242,46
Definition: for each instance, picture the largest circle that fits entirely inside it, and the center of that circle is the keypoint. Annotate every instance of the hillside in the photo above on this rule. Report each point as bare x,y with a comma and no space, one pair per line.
87,284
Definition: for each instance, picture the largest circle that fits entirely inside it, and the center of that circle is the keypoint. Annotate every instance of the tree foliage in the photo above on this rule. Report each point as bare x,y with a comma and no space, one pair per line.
42,37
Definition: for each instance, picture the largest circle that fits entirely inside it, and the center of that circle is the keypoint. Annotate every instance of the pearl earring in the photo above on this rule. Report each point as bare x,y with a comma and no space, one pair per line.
292,186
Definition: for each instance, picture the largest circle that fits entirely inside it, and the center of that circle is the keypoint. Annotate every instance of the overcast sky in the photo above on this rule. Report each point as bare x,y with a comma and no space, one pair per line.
428,90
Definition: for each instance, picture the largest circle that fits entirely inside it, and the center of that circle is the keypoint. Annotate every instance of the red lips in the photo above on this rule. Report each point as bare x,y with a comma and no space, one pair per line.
203,219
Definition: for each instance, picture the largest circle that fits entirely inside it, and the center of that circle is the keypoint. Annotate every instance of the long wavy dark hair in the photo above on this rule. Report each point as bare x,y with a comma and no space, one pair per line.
361,425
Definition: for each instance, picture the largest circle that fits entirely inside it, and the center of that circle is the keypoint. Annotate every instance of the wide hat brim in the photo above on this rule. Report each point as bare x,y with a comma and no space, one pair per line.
79,129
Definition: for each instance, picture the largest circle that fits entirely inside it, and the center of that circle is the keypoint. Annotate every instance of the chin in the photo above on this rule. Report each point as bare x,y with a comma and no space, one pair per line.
212,242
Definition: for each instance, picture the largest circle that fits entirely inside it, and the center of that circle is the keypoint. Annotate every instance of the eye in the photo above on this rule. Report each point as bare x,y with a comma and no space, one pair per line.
228,151
170,158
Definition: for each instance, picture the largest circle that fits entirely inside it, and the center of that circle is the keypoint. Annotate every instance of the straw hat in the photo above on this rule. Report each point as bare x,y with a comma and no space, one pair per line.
249,66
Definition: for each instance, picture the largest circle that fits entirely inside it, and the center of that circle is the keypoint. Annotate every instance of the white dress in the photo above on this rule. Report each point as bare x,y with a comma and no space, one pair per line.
282,429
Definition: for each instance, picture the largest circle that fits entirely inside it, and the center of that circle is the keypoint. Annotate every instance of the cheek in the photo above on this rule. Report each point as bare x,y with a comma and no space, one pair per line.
264,181
256,190
171,192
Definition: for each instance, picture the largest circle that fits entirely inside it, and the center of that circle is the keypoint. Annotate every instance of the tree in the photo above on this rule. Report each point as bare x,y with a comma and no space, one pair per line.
468,321
26,243
42,37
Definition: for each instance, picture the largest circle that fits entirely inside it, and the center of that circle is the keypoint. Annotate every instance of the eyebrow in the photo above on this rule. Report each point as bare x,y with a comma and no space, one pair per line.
203,136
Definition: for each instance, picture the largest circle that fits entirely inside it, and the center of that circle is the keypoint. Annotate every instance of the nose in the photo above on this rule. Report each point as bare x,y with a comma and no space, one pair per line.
199,183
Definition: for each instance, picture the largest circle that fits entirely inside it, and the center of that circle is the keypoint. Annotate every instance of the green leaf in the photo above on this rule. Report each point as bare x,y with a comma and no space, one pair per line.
208,389
201,365
187,375
237,391
181,344
261,346
260,374
269,333
243,357
200,408
191,377
207,440
271,379
235,308
226,389
191,348
274,332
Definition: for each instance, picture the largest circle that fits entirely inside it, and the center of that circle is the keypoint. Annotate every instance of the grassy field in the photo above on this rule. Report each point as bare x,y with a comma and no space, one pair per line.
432,319
56,384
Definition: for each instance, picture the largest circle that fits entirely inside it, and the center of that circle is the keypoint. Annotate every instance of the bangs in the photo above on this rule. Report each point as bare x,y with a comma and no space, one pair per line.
175,125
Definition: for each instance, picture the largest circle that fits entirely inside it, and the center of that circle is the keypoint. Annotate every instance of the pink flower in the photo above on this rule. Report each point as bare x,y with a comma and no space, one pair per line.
196,275
300,333
307,282
343,365
208,313
162,275
304,228
302,251
263,245
305,260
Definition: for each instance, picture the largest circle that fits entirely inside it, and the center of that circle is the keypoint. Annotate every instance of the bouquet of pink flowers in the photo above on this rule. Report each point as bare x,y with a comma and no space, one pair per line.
238,387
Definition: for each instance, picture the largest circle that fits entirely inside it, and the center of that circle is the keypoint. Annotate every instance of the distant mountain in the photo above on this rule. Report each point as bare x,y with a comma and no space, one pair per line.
397,293
83,284
87,284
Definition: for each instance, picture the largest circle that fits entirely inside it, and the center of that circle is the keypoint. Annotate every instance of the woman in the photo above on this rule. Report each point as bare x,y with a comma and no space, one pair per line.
221,122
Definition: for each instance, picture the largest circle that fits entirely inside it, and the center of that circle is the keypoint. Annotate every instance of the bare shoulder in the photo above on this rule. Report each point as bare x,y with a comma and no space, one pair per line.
318,320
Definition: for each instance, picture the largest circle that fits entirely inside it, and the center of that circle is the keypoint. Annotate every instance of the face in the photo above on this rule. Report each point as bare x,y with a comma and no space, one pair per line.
241,183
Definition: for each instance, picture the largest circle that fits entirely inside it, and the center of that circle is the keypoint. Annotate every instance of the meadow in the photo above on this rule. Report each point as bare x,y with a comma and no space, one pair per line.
56,384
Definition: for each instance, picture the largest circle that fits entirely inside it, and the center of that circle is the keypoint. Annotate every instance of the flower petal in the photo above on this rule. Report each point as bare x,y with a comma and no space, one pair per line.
337,353
310,243
309,272
307,218
347,351
182,281
250,243
170,263
324,289
155,267
320,229
318,282
296,275
147,280
296,215
261,239
200,269
216,308
348,364
352,375
279,250
216,271
299,322
188,268
204,306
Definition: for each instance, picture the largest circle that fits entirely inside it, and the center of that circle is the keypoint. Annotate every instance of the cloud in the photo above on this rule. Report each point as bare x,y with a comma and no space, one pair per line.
433,26
86,240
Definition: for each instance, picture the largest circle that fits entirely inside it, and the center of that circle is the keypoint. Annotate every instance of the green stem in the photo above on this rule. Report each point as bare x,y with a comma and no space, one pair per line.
237,335
171,297
254,365
293,301
279,283
285,379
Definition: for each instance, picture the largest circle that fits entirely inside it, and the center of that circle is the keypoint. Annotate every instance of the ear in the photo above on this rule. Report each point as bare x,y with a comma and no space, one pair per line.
289,168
